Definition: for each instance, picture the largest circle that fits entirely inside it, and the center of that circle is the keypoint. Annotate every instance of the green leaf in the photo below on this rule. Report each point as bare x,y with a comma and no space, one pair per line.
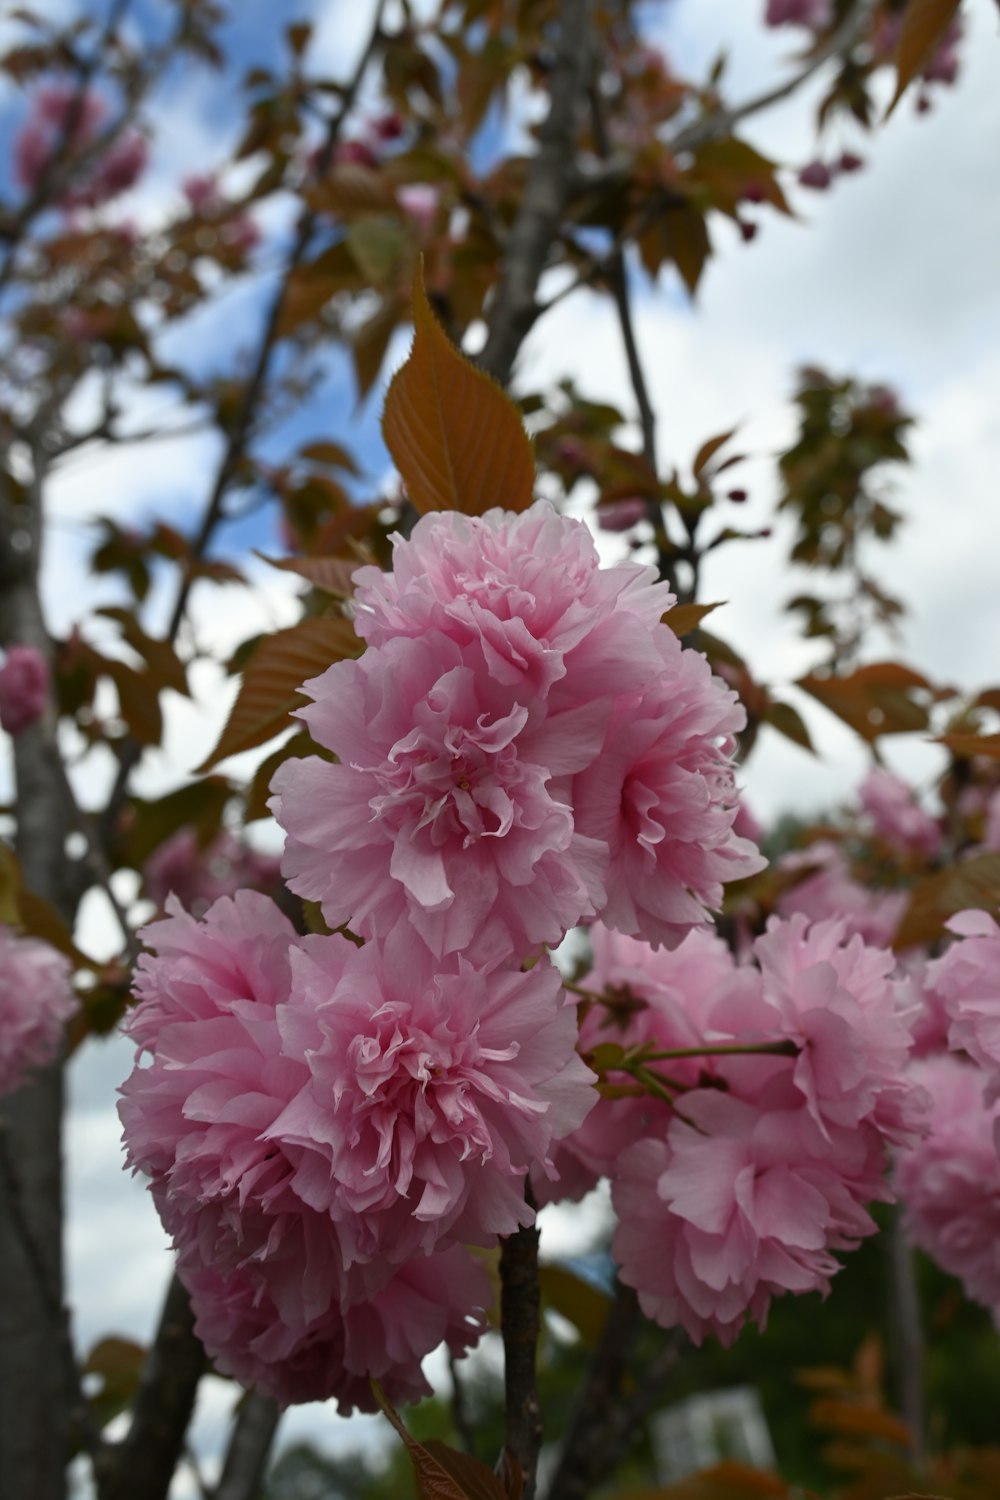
456,439
375,245
924,25
270,687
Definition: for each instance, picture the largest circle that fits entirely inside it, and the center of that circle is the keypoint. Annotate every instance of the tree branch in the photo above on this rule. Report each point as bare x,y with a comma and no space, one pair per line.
519,1326
254,1427
144,1462
546,191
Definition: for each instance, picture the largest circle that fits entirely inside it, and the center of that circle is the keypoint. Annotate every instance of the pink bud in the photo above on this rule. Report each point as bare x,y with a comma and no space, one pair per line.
202,192
24,688
849,162
354,153
812,13
748,229
737,496
815,175
621,515
420,202
389,127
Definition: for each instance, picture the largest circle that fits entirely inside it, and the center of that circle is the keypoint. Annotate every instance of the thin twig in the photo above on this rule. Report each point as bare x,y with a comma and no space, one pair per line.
242,422
250,1442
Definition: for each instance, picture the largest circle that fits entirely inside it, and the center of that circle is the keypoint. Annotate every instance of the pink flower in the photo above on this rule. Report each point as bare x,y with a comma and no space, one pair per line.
816,174
896,816
654,996
434,1299
36,1001
430,1094
739,1204
445,810
967,978
24,688
198,876
274,1301
529,589
829,890
950,1182
114,173
60,114
834,996
662,798
767,1159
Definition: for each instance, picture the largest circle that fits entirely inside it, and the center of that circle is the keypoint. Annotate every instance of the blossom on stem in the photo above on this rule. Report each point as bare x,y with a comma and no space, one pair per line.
967,978
24,688
36,1001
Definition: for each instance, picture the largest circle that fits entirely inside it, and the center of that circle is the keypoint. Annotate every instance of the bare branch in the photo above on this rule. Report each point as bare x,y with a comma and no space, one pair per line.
546,192
250,1445
520,1303
144,1463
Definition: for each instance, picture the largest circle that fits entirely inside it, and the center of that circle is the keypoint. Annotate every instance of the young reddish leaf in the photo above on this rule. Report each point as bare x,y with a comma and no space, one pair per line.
442,1473
972,883
710,447
728,1480
333,455
874,700
160,656
138,700
457,440
330,574
472,1476
967,746
683,618
856,1419
371,341
269,690
924,25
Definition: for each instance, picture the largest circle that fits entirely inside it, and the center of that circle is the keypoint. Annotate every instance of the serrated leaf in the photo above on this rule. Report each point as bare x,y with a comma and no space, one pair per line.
710,447
874,700
924,25
443,1474
269,691
456,439
330,574
683,618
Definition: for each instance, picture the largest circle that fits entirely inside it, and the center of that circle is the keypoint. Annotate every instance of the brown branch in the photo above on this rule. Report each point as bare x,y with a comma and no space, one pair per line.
907,1336
37,1401
250,1442
144,1462
519,1327
546,193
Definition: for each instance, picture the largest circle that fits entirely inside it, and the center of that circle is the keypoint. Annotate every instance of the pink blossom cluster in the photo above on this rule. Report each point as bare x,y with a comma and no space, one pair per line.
741,1173
524,745
326,1126
36,1001
967,980
64,120
811,13
198,875
950,1181
24,688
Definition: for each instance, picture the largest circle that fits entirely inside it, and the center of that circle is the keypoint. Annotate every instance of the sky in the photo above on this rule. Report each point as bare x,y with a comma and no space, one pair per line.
892,276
